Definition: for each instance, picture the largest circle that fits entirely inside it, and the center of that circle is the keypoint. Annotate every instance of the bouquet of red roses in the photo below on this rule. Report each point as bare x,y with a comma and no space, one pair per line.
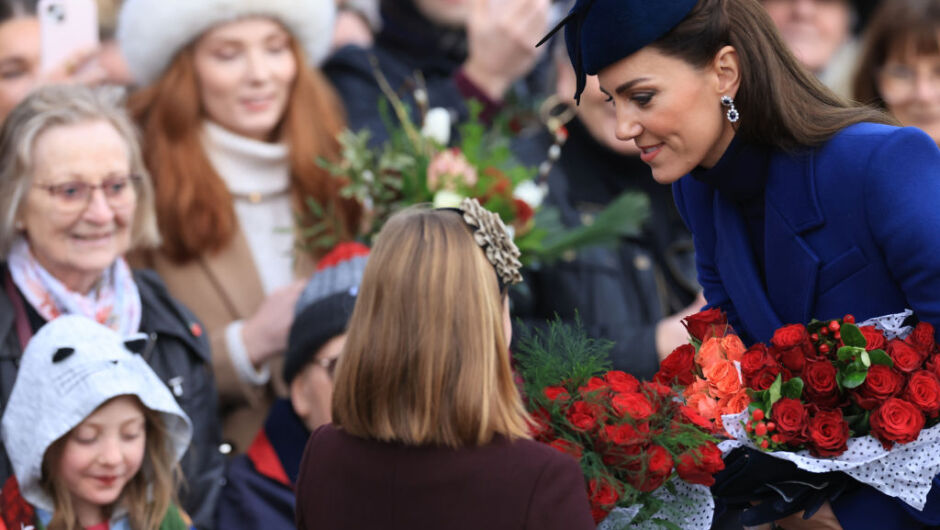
631,438
859,399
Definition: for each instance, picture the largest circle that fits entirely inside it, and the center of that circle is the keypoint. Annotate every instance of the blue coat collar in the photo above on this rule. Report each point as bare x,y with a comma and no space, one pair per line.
791,209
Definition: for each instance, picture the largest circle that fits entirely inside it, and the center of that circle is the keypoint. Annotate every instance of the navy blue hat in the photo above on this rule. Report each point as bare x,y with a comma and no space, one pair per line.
601,32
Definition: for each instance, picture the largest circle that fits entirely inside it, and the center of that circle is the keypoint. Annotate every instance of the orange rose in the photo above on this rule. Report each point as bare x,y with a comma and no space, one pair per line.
704,405
722,379
710,353
700,386
733,347
734,403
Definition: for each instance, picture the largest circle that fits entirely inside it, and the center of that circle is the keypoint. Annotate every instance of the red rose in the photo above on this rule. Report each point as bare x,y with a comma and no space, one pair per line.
896,421
568,447
791,418
699,465
793,345
621,382
540,426
881,383
603,498
821,387
624,434
656,390
828,433
765,377
15,511
633,405
906,358
626,456
706,324
677,367
657,468
556,393
755,359
594,384
922,338
933,365
874,337
583,416
923,390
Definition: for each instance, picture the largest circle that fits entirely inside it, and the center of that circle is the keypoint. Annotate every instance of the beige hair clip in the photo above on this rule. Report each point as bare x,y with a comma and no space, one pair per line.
492,235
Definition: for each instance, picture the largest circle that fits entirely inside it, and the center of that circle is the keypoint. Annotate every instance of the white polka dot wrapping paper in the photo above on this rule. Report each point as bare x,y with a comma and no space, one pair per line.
691,508
905,472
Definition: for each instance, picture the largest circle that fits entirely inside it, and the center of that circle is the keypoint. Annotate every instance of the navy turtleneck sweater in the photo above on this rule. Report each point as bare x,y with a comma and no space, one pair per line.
741,177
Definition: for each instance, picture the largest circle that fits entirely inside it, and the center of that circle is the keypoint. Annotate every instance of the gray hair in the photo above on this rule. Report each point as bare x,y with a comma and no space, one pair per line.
56,105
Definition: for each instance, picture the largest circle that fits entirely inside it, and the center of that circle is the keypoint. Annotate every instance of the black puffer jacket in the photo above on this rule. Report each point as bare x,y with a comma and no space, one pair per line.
620,293
180,357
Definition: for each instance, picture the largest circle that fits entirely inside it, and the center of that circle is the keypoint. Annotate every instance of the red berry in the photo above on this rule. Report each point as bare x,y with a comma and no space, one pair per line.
764,443
848,319
834,325
777,439
761,429
758,414
771,426
814,337
748,427
824,330
823,348
837,335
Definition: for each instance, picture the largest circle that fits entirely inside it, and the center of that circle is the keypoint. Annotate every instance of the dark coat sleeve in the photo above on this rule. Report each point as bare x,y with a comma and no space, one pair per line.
559,499
251,501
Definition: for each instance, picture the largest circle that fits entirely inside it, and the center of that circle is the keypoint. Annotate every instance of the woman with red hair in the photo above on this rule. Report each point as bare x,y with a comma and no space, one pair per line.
233,123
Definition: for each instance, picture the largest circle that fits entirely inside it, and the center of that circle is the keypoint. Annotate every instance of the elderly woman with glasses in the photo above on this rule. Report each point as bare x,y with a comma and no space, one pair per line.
74,198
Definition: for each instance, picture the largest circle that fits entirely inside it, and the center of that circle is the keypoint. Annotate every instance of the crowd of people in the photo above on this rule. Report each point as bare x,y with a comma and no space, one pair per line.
170,339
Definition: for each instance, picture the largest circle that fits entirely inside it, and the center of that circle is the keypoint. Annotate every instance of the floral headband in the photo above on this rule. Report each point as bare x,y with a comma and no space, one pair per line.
493,237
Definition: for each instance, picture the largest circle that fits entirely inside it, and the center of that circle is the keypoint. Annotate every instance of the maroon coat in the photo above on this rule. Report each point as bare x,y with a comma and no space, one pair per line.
352,483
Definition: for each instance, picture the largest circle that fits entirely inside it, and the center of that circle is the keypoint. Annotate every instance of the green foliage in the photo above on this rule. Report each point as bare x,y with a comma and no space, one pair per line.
559,353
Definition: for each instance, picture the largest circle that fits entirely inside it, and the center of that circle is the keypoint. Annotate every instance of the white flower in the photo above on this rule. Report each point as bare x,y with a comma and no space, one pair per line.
447,199
437,125
533,194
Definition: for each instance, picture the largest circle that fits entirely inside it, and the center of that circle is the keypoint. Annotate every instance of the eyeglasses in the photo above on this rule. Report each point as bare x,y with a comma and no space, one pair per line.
75,196
899,82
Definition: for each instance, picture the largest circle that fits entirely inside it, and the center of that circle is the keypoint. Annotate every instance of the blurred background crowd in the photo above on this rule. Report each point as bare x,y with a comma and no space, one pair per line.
211,143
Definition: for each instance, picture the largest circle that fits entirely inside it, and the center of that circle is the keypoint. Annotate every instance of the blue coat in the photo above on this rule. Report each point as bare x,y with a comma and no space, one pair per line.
850,227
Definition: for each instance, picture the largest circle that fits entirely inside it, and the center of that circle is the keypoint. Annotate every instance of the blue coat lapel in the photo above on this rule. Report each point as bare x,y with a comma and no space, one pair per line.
739,272
792,209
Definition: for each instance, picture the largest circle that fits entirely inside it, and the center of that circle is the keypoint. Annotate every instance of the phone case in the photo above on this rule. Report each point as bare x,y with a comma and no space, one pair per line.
66,27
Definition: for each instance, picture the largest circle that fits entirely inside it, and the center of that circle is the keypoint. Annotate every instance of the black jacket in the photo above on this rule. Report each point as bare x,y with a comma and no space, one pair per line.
620,293
180,357
409,43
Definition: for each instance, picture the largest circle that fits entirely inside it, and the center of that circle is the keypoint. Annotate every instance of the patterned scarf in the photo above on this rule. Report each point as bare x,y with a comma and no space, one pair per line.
114,301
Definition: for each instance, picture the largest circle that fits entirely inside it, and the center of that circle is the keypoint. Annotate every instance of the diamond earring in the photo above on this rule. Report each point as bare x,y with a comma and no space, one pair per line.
732,114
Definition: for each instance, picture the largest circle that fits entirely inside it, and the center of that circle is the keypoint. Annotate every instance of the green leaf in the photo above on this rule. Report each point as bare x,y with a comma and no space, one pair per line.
793,388
853,379
852,336
775,390
880,357
846,353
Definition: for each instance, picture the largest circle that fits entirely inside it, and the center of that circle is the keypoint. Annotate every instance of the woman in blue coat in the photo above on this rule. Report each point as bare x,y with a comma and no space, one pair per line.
801,205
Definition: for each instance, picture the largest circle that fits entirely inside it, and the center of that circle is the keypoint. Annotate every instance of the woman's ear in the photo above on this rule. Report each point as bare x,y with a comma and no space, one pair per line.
727,68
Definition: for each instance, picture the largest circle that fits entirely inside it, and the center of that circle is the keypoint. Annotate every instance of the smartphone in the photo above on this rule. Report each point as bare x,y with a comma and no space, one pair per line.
66,27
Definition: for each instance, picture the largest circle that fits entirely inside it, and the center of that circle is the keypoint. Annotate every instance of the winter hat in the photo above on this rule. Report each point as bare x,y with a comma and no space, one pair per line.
71,367
325,305
151,32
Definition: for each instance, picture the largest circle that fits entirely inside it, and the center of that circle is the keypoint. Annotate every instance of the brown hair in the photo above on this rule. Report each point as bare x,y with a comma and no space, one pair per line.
781,104
898,28
194,207
426,360
147,496
53,106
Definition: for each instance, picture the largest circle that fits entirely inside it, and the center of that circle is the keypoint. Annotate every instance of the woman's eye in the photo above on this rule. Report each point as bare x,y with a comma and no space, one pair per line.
225,54
642,99
131,436
277,47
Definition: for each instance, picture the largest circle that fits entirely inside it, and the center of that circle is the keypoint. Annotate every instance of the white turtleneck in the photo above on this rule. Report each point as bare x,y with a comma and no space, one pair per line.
252,169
